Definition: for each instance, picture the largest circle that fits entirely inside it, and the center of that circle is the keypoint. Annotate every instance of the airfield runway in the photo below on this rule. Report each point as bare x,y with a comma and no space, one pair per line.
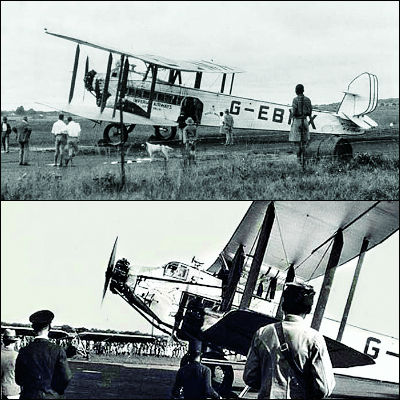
97,380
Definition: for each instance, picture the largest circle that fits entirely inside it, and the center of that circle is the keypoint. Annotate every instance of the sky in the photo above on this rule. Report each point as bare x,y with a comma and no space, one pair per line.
54,256
323,45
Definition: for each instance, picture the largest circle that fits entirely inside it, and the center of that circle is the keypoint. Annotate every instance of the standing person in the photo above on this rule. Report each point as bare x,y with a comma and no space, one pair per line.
42,368
299,131
24,131
9,389
289,360
189,138
181,125
221,122
59,130
194,379
73,130
228,127
5,134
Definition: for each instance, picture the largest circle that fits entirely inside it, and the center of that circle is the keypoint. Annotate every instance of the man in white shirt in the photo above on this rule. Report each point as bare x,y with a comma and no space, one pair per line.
60,132
74,130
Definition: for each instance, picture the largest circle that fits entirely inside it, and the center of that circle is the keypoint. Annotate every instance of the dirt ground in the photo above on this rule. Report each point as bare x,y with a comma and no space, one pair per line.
129,381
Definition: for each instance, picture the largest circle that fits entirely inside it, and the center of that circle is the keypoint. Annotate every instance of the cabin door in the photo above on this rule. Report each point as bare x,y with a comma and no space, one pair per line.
192,107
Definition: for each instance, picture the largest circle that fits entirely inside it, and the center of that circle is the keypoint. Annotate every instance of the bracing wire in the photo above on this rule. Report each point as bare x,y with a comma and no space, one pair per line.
327,248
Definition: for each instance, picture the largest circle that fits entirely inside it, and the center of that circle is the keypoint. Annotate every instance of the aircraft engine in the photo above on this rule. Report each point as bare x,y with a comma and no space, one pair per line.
120,275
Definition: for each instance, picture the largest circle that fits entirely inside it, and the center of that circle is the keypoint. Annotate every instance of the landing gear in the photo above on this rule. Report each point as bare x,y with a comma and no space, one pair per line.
113,133
165,133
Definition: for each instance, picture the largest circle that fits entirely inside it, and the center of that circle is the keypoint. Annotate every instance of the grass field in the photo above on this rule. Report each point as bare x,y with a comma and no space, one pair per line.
240,175
248,170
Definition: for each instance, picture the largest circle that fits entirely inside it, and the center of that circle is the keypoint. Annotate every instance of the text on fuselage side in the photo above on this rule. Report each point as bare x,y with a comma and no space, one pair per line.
264,113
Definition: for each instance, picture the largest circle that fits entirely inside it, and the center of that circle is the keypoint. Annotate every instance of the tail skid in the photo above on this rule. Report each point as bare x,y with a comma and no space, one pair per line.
360,98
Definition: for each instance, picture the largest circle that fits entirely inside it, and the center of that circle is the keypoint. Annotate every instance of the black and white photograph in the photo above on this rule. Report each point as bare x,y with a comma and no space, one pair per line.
199,100
199,200
170,300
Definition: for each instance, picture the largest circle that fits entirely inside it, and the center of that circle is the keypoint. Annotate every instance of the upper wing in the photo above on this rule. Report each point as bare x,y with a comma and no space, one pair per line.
237,328
303,231
189,66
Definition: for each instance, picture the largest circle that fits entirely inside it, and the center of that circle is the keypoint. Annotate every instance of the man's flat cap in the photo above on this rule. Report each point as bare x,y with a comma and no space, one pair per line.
41,317
10,335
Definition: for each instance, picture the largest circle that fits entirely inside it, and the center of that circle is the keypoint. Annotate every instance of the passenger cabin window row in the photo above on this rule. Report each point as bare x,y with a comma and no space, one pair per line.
158,96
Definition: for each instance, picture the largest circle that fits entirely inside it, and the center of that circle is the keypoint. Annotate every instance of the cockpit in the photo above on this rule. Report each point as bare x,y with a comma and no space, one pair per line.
176,270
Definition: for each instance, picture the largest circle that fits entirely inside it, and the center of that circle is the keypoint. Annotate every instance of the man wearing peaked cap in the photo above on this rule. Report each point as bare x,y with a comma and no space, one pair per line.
9,389
289,359
42,368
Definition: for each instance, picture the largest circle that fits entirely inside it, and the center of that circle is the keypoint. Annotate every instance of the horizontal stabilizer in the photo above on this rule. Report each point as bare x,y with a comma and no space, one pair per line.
361,121
370,121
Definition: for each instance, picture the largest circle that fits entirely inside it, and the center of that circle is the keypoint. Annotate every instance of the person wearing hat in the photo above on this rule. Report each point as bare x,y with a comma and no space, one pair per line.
299,132
189,138
23,131
42,368
5,134
228,127
9,389
289,359
194,379
181,124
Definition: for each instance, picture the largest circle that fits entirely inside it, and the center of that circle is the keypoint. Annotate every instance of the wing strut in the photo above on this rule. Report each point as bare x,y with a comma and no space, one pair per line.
154,70
258,256
71,91
346,311
328,279
106,83
119,84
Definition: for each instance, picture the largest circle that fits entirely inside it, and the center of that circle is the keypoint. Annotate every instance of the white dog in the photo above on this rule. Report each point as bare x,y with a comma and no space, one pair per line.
157,148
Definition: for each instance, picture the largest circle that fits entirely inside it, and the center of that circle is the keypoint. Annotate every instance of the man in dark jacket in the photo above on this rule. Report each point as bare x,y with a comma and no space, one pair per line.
42,368
5,134
23,136
195,380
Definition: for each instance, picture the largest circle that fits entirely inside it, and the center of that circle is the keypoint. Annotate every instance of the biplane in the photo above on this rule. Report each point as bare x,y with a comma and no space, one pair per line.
224,304
124,97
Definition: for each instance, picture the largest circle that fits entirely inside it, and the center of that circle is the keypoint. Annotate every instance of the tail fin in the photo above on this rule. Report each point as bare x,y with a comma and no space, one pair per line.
360,98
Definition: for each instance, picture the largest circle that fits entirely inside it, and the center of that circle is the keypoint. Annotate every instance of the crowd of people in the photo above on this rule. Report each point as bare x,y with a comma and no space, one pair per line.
160,347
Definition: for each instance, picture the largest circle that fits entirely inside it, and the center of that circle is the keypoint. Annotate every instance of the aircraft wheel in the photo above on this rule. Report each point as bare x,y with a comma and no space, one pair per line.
165,133
221,376
112,133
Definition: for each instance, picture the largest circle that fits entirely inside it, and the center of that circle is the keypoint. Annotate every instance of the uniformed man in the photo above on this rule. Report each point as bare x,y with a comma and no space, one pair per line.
228,127
289,360
299,132
42,368
194,379
9,389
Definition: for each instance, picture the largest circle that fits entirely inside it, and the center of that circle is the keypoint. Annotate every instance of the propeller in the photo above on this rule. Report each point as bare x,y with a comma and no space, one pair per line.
110,269
87,65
